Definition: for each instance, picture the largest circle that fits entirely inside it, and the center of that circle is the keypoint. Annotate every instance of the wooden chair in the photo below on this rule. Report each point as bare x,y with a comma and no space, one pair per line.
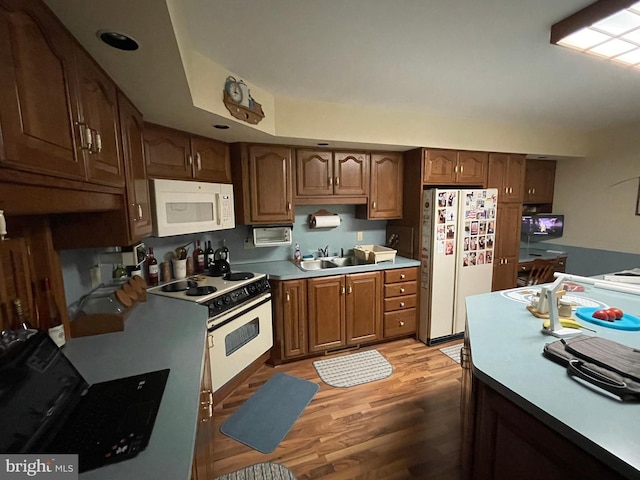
541,272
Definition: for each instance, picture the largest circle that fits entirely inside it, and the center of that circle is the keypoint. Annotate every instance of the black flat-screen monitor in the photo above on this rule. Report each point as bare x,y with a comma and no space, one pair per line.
542,226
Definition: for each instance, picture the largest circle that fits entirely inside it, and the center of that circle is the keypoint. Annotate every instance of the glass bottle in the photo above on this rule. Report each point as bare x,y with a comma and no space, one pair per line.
152,269
50,316
21,321
198,258
209,253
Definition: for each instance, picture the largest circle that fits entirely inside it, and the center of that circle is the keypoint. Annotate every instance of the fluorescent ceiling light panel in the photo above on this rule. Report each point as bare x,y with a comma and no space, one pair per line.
607,28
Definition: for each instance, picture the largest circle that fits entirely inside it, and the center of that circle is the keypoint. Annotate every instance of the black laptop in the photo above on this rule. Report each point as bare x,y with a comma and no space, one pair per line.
46,406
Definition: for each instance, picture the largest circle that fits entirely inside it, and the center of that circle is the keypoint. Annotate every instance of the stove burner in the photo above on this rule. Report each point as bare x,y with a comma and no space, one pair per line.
236,276
179,286
199,291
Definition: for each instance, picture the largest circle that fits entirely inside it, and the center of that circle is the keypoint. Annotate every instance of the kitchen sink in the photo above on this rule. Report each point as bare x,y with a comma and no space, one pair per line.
322,264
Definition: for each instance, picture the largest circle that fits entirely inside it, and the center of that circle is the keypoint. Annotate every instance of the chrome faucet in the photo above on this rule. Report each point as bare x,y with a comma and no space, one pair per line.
324,252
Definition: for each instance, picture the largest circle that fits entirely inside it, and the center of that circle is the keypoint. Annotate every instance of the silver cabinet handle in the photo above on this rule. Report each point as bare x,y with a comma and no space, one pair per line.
98,142
198,161
401,289
455,169
401,323
341,289
330,180
461,168
140,216
350,290
373,205
287,297
337,181
401,304
88,138
402,276
189,160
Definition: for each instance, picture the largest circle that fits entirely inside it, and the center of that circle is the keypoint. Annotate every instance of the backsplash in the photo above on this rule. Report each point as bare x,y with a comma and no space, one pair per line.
76,263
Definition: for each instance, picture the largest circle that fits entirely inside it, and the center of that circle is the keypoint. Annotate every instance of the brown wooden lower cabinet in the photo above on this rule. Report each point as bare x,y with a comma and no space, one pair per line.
202,466
289,300
501,440
344,310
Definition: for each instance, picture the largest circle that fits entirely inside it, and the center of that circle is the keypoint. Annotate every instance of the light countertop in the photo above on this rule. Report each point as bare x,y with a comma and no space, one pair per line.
531,253
506,349
159,333
287,270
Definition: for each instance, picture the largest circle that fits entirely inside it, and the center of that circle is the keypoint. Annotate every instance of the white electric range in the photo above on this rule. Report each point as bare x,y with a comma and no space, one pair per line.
239,323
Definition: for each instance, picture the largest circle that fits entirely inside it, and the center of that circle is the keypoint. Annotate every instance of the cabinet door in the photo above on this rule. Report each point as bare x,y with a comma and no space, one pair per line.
508,224
385,199
507,246
472,168
314,173
351,173
363,307
439,167
202,466
326,313
515,179
539,181
505,273
99,119
294,309
137,189
167,153
210,160
270,187
38,92
497,174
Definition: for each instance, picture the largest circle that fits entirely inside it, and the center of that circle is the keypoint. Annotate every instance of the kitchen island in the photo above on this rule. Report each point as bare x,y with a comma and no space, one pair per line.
159,333
523,416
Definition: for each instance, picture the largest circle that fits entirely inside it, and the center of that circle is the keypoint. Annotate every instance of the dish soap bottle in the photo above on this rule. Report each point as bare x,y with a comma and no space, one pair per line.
296,254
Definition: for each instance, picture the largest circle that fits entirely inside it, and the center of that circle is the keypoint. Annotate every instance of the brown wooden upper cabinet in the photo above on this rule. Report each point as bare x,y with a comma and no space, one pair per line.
262,184
385,190
506,173
452,167
137,187
57,107
100,124
539,181
324,173
178,155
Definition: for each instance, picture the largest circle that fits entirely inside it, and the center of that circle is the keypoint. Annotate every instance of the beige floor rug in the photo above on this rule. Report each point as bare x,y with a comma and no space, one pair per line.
355,369
260,471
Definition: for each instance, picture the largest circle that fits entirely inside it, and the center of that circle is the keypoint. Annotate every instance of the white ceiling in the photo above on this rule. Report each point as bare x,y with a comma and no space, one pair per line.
488,59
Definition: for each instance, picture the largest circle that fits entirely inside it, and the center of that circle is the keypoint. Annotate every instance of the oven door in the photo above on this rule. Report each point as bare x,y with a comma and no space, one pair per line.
238,338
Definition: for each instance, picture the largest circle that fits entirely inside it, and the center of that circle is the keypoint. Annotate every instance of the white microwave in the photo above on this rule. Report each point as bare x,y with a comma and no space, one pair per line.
181,207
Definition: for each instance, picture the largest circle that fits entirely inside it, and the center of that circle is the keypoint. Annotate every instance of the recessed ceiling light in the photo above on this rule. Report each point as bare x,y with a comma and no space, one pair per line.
117,40
221,127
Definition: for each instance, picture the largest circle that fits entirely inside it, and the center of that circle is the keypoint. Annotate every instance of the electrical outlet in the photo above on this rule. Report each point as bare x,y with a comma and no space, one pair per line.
94,272
359,236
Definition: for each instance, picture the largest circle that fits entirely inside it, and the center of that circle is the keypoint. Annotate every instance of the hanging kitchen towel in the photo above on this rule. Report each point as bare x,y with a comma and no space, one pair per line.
606,364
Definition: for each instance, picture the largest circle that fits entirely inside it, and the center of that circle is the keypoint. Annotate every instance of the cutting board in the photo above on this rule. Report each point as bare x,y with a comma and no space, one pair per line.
627,322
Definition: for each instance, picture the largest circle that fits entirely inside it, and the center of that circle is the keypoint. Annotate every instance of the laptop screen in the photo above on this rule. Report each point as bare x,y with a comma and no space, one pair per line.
38,387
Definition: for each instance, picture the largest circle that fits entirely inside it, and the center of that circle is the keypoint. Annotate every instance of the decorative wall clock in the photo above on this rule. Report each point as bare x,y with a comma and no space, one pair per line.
238,100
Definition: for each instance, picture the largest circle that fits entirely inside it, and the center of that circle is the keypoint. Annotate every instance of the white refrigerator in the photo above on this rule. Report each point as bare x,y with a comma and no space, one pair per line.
456,257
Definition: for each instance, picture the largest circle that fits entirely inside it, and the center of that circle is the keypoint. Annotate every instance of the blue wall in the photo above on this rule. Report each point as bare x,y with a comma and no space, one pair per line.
76,263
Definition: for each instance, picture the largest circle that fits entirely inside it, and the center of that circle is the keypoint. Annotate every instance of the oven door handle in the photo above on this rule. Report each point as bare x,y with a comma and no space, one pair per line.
242,311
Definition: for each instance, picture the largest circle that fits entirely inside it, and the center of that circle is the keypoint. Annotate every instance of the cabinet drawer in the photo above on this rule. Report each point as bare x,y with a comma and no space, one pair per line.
398,289
399,303
402,322
400,275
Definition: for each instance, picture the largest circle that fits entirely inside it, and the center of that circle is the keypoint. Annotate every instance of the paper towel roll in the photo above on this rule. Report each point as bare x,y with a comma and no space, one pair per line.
325,221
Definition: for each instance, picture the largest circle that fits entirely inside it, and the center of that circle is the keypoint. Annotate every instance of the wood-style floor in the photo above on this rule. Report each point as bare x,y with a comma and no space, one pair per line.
406,426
